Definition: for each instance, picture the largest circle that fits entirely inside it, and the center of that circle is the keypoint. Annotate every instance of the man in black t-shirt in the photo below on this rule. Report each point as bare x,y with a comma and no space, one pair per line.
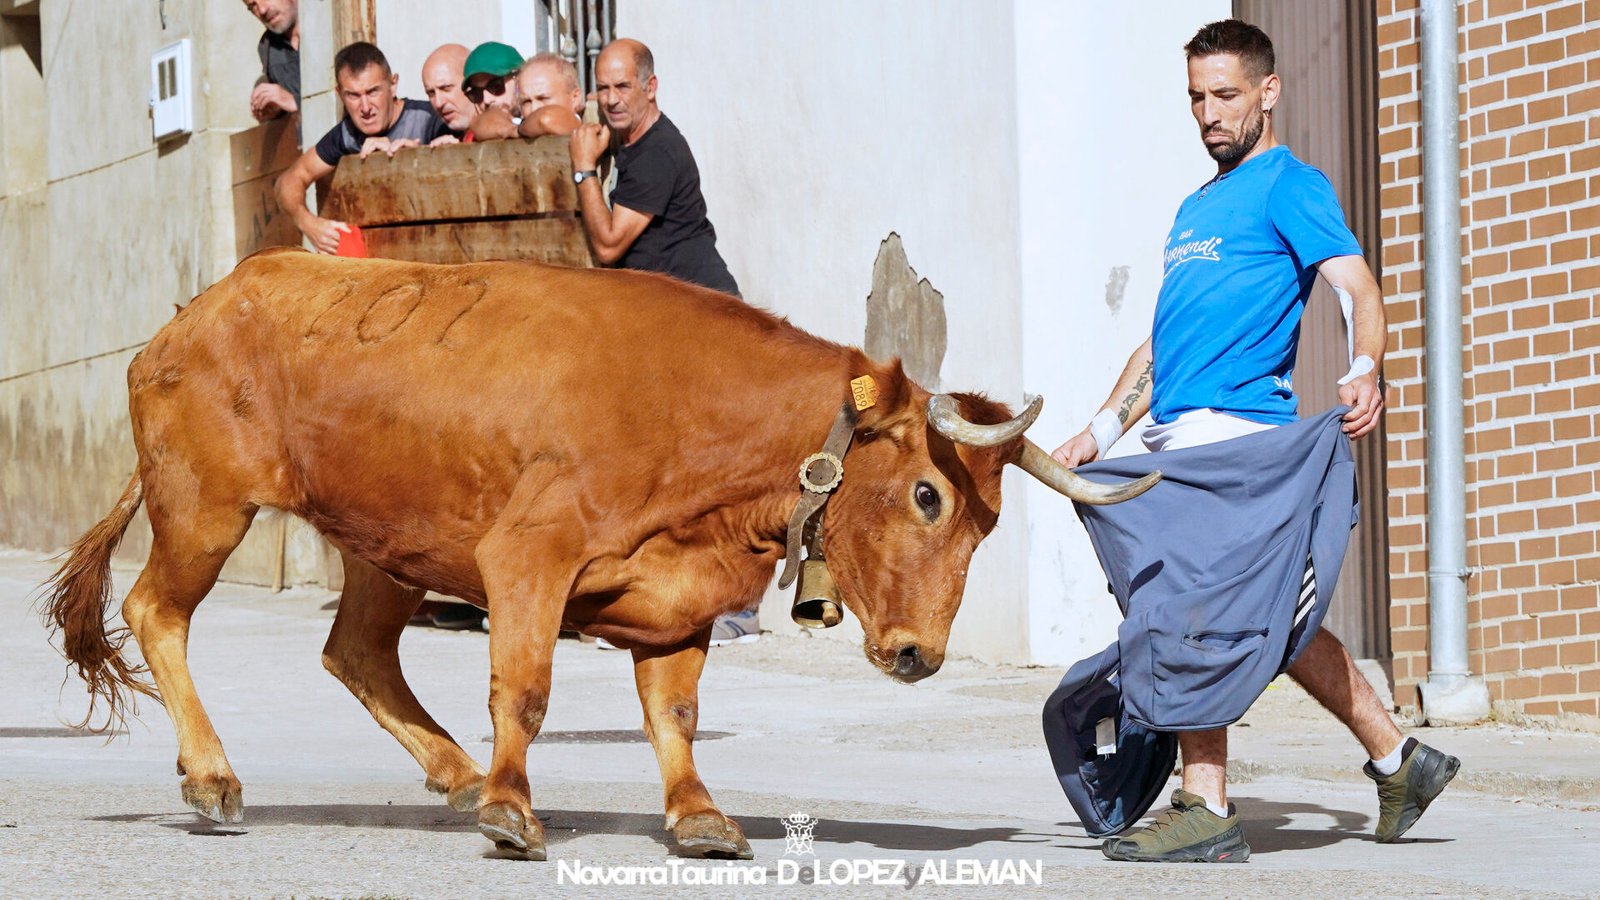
277,91
657,219
375,119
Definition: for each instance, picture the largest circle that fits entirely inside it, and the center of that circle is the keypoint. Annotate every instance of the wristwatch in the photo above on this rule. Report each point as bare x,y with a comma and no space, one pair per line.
578,177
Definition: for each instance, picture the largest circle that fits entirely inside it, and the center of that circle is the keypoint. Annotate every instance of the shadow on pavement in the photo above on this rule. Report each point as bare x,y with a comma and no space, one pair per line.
894,835
564,824
413,817
1267,826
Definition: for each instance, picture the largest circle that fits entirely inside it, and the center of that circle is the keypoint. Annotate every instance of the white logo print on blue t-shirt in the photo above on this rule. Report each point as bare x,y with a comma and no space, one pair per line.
1202,249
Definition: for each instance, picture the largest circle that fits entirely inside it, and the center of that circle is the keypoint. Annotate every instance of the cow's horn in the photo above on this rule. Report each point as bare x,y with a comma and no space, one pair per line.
945,417
1044,467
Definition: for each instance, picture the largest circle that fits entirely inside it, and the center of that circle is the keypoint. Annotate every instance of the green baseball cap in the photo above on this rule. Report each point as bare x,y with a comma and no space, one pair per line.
492,58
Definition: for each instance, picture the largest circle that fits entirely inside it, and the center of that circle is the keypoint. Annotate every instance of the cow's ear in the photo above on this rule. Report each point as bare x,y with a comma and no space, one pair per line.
889,413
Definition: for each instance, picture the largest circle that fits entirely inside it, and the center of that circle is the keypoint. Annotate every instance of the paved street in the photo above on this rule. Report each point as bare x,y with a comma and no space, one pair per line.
950,769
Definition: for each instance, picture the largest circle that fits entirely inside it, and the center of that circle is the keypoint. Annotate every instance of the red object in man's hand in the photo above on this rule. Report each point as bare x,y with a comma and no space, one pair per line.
352,244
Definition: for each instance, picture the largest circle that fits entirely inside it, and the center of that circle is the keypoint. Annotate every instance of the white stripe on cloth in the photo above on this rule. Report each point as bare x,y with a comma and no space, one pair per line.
1308,594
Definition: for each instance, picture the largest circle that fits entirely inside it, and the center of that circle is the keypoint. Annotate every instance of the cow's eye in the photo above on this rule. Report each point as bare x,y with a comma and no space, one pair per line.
927,500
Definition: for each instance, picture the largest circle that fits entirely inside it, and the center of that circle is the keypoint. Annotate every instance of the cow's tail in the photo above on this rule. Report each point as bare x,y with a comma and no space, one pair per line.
75,609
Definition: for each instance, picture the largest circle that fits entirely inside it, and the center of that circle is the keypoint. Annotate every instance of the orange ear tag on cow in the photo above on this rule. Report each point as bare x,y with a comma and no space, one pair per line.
352,244
865,392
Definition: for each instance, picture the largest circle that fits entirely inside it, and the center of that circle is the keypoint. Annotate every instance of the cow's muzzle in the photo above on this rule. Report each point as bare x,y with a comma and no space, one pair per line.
944,415
910,665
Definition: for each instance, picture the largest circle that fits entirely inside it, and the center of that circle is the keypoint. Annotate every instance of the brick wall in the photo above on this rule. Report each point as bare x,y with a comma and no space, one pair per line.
1530,127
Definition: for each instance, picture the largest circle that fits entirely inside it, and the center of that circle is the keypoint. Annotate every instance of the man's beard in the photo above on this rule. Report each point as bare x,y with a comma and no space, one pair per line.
1230,153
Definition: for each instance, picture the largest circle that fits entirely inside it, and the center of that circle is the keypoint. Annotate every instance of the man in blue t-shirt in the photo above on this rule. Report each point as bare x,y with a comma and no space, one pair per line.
1238,266
376,119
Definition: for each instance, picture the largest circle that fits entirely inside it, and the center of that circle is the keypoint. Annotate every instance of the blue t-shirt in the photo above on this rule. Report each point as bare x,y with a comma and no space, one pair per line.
1237,268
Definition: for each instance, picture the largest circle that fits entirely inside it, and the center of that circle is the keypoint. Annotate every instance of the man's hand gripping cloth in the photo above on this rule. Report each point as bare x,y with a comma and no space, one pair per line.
1223,572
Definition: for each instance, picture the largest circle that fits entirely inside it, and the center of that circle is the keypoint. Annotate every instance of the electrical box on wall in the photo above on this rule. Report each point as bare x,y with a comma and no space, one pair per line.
171,92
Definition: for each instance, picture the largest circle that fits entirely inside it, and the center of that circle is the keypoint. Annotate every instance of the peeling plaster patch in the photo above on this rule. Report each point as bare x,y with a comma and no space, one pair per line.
1116,286
905,316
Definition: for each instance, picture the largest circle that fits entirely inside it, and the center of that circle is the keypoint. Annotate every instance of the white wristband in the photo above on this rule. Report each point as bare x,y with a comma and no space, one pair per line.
1106,428
1361,366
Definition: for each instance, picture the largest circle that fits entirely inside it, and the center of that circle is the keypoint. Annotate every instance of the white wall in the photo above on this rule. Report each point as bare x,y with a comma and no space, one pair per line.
408,30
1021,157
95,252
819,128
1107,150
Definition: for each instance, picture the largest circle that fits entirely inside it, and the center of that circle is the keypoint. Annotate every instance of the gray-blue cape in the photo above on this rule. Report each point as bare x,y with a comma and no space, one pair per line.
1210,570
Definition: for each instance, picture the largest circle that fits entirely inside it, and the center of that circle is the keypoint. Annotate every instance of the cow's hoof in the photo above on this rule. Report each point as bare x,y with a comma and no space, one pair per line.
711,835
465,798
515,835
220,799
461,799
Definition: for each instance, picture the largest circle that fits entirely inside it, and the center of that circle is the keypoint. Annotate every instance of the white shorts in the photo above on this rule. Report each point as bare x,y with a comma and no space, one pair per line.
1197,427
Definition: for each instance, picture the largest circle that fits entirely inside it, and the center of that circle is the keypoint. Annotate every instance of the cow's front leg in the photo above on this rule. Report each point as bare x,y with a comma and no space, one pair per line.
669,690
527,587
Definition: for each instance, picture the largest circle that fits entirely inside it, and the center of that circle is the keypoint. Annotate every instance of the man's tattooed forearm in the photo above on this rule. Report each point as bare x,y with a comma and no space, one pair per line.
1137,392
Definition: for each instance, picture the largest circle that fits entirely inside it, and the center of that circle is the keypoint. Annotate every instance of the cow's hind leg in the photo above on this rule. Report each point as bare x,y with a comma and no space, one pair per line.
363,651
187,553
669,690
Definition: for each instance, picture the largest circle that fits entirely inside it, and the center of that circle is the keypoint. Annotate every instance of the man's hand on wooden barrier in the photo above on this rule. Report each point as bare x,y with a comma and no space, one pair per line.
494,124
587,144
375,144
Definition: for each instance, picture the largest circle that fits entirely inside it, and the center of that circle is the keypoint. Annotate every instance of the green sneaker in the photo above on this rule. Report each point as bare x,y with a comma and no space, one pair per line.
1188,832
1405,795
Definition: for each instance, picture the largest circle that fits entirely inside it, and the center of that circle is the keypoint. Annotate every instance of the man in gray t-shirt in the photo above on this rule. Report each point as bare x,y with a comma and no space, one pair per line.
375,119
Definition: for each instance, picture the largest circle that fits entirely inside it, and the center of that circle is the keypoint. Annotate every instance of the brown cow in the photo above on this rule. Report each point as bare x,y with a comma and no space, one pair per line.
609,451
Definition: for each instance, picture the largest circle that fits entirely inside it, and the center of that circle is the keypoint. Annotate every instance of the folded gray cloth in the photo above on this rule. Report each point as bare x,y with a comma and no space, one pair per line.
1223,570
1109,791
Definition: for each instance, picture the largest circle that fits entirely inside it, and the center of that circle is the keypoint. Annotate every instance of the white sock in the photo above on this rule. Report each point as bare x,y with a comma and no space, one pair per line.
1221,813
1389,764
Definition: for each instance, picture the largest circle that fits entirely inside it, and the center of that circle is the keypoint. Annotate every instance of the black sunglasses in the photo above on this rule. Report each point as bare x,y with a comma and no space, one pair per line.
495,86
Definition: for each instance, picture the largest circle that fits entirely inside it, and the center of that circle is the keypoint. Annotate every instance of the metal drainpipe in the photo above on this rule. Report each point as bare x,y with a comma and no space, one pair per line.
1451,693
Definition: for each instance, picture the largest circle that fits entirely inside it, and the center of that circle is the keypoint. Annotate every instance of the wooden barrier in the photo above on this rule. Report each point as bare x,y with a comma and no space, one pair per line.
464,203
259,156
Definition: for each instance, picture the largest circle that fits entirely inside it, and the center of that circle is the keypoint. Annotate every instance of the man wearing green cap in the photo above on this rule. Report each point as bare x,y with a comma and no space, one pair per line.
491,86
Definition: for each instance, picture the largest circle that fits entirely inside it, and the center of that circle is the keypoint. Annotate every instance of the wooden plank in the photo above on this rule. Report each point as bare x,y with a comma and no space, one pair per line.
258,223
551,240
354,20
455,182
266,149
